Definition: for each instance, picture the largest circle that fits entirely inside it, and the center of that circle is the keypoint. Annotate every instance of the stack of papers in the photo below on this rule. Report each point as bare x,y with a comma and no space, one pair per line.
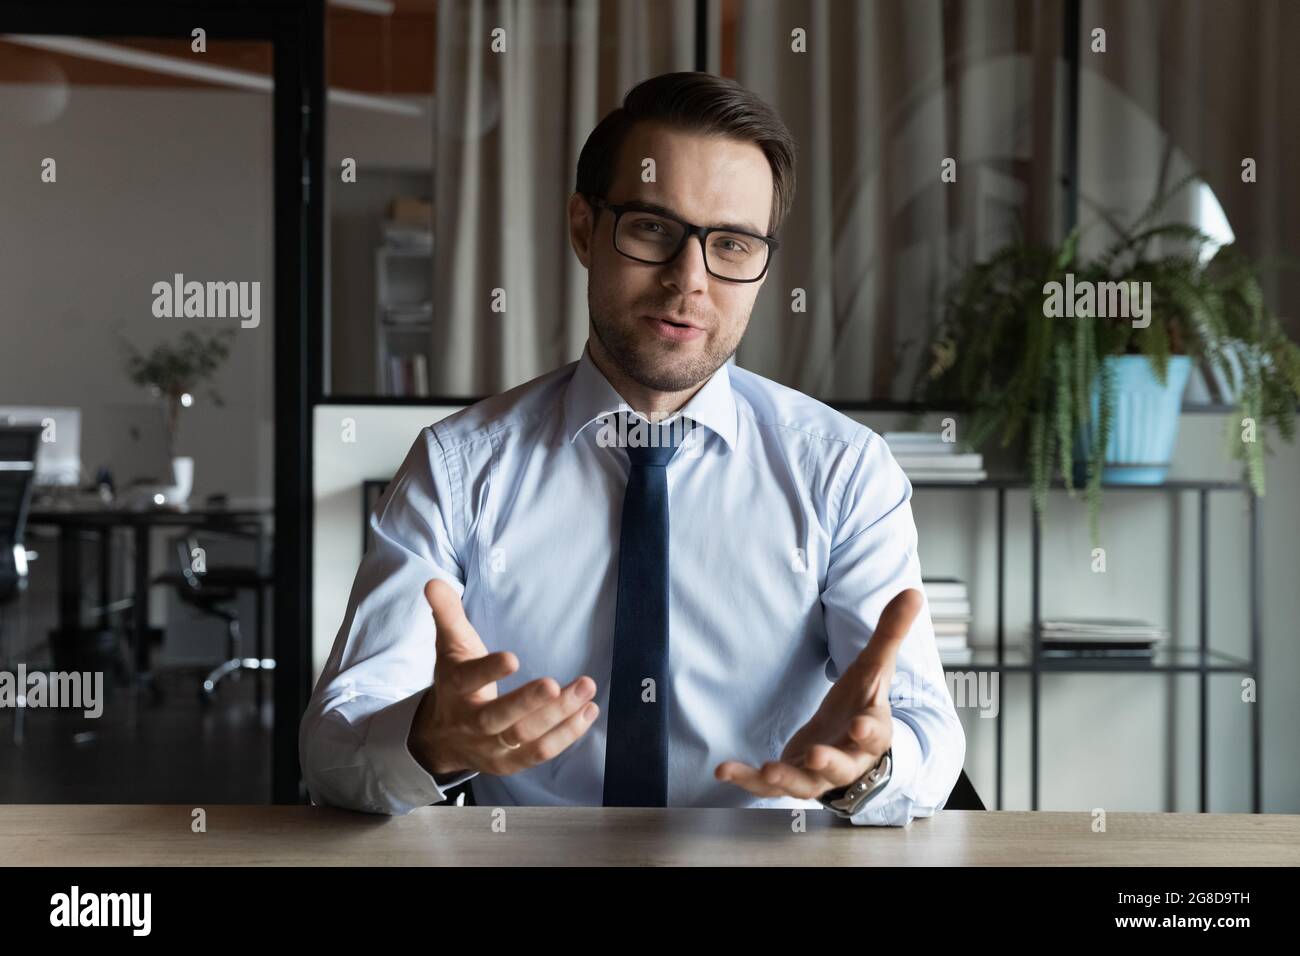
950,613
409,313
1118,638
927,457
402,235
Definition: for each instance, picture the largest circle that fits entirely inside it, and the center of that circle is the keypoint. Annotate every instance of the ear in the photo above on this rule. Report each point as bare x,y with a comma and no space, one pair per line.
581,228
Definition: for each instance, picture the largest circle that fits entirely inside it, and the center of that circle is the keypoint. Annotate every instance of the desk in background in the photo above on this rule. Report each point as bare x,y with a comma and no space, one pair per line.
118,835
71,521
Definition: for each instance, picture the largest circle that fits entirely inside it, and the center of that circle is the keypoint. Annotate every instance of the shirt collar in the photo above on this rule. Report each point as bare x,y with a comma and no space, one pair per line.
589,397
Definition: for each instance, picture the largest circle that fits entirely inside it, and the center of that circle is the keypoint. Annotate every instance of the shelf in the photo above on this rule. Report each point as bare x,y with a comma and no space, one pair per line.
1178,484
906,406
1167,660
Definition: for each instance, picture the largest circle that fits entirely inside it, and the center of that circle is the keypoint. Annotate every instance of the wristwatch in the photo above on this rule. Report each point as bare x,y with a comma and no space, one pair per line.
847,801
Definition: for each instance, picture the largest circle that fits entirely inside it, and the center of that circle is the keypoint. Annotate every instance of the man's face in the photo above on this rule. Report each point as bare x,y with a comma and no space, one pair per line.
706,180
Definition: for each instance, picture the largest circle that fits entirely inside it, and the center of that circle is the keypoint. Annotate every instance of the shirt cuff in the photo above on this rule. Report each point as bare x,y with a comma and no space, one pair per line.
892,807
405,783
449,780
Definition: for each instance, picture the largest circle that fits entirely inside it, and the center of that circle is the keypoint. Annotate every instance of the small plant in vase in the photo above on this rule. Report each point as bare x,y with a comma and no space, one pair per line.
174,372
1058,382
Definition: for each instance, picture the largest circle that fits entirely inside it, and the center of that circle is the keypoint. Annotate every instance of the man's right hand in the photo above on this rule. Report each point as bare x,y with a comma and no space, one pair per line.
461,723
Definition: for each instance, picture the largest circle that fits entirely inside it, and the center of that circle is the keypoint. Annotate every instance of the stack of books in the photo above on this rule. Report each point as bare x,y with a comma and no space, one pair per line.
409,313
405,236
408,375
1100,638
951,615
927,457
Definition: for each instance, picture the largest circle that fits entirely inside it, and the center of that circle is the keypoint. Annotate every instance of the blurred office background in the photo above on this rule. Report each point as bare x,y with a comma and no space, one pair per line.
446,169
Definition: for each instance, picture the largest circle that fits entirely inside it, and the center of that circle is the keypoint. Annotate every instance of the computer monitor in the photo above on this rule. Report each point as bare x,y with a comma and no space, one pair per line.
138,446
58,455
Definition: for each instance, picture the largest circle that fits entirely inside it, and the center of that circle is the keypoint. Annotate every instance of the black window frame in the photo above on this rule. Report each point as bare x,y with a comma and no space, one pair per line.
296,31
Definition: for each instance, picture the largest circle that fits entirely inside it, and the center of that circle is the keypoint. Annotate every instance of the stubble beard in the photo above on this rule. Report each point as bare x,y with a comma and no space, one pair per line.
657,364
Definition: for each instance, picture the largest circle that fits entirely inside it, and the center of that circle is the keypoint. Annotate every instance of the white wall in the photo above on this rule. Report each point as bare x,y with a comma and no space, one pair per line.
150,182
383,436
153,181
1105,738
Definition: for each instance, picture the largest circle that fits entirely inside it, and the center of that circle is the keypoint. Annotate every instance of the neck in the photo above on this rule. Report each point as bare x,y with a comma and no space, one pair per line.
652,403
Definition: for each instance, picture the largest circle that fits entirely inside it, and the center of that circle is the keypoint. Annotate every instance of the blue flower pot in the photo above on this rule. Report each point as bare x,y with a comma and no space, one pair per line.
1144,427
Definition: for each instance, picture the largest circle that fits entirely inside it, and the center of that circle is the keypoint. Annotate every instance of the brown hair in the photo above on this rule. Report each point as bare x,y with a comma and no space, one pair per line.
700,103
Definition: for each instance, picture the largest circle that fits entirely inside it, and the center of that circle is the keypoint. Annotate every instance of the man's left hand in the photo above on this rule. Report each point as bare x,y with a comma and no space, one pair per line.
851,729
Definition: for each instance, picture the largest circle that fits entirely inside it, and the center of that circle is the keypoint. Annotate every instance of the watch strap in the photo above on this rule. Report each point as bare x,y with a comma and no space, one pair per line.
848,801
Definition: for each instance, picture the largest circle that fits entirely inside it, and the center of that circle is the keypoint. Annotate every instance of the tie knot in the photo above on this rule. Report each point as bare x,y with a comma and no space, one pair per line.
653,445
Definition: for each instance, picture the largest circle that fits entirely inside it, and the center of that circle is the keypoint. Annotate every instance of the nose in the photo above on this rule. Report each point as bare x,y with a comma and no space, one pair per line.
687,273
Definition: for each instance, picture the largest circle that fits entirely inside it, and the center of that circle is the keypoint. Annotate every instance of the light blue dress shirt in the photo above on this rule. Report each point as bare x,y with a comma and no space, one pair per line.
790,530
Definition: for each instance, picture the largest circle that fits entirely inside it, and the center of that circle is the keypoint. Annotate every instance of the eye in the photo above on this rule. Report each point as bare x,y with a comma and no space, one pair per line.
649,225
731,244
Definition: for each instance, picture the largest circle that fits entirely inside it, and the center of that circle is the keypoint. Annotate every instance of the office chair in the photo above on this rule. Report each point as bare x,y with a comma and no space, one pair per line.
963,796
18,444
215,592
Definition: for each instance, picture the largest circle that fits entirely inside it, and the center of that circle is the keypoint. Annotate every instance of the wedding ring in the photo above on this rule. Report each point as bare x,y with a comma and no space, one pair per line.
502,740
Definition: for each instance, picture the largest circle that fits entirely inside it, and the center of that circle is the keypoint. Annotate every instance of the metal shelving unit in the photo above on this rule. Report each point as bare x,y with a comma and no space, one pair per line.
402,327
1200,660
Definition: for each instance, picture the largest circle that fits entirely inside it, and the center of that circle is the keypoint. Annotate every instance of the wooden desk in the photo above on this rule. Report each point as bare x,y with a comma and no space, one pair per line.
68,835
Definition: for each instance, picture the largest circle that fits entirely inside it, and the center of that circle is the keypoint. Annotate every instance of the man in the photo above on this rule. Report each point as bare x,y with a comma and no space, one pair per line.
723,570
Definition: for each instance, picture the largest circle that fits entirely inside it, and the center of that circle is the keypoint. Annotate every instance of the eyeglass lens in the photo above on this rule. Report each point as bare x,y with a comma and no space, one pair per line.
651,238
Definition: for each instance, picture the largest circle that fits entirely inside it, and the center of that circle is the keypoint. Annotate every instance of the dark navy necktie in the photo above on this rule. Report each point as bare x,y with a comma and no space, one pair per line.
636,749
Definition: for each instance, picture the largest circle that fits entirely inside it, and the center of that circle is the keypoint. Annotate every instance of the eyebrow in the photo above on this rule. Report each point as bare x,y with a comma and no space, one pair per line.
664,210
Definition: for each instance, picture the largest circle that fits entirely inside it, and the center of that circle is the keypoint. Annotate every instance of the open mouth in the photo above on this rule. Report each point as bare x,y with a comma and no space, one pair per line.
672,323
674,331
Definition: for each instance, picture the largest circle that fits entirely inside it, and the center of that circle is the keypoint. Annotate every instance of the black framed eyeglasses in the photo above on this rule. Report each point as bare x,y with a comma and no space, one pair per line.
655,236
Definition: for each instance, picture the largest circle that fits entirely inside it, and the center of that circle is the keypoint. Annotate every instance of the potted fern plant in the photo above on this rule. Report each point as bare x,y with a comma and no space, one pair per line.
1070,387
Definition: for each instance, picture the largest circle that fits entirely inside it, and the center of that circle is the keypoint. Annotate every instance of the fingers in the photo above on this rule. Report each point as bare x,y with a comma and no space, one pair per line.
774,779
533,723
871,732
455,636
497,715
463,663
833,764
503,712
554,742
467,676
878,692
893,627
896,619
743,775
825,768
796,781
540,721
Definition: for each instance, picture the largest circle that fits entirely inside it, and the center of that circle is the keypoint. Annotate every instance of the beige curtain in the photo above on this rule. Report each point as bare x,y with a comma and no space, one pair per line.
509,128
1197,86
885,92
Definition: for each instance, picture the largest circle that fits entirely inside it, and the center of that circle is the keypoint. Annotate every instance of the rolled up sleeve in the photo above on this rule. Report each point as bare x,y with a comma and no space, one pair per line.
353,736
873,558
